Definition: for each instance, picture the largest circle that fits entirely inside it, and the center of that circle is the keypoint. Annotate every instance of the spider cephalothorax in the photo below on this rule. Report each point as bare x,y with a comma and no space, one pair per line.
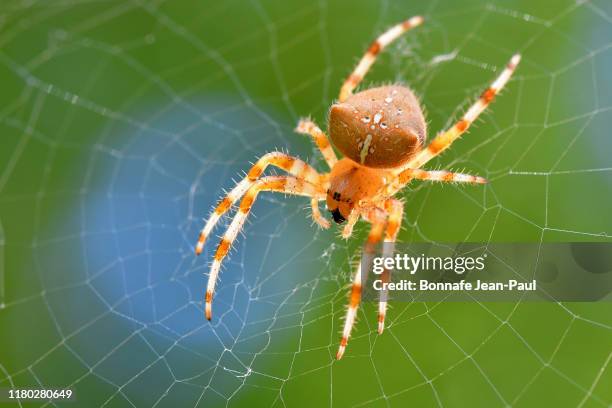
381,132
350,184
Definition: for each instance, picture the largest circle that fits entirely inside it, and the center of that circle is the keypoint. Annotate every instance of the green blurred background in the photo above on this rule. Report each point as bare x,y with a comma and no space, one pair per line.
123,121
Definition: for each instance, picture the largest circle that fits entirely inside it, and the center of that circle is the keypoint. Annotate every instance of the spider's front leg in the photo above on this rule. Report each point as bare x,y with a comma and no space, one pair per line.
375,48
292,165
281,184
378,219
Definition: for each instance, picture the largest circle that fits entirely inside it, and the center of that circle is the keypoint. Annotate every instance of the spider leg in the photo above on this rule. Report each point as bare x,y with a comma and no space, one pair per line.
396,212
308,127
292,165
316,214
282,184
353,217
443,140
370,56
378,219
407,175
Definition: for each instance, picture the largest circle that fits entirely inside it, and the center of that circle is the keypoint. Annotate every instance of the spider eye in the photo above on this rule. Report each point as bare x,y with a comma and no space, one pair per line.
337,216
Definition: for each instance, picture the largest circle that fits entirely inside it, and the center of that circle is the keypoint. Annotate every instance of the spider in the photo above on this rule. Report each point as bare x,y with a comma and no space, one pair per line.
381,133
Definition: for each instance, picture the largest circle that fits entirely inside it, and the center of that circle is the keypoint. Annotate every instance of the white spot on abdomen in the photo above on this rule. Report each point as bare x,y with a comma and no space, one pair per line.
364,150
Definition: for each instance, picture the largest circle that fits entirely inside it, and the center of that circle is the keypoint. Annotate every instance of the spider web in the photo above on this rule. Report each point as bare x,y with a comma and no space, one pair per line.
123,122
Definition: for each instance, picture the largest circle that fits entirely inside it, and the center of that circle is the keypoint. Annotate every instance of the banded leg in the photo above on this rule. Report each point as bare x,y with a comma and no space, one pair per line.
408,175
375,235
281,184
370,56
308,127
439,175
446,138
292,165
396,212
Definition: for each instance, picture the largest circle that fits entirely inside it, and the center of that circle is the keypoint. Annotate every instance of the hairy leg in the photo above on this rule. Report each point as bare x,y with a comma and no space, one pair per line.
353,217
408,175
281,184
308,127
446,138
292,165
395,208
378,219
316,214
375,48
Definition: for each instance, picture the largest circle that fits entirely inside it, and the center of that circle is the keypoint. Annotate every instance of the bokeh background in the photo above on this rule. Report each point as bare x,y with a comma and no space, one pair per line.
122,122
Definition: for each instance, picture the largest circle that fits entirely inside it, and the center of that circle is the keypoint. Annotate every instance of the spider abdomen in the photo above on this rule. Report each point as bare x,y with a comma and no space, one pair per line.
380,127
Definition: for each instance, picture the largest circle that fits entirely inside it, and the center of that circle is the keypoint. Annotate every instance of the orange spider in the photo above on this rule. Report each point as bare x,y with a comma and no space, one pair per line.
381,132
